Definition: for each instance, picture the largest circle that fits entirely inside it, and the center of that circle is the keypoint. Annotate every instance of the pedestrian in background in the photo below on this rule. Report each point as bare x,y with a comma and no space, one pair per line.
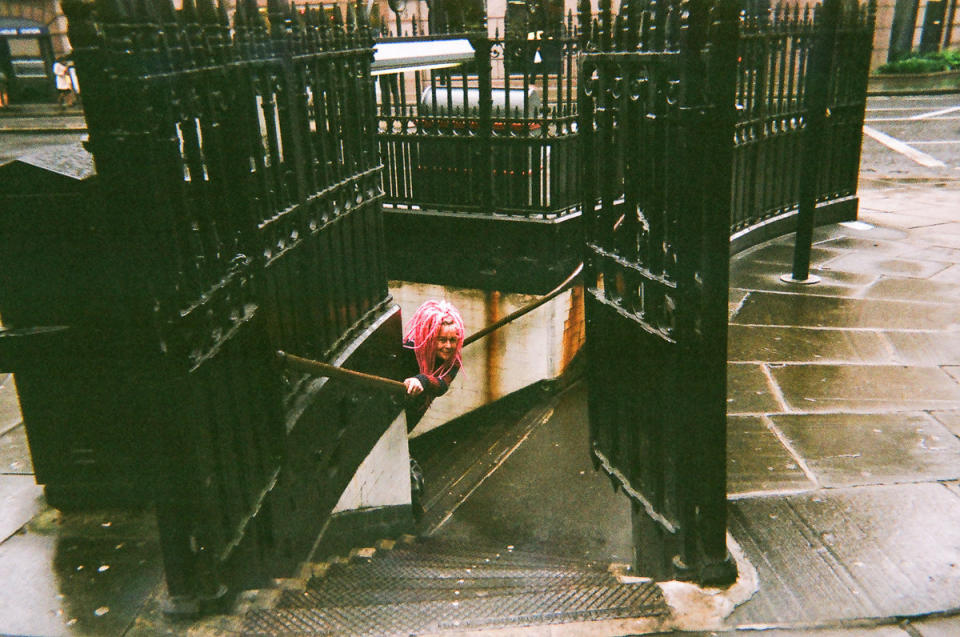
4,97
64,83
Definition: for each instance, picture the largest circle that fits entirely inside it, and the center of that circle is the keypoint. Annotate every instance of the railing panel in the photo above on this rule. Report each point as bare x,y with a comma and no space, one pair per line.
436,142
774,50
244,167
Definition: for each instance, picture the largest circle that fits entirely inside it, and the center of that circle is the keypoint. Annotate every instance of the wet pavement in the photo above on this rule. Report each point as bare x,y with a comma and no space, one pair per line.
843,455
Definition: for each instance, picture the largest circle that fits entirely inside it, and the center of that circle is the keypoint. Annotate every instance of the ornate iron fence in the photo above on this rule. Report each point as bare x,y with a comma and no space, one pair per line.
773,74
665,88
432,148
656,99
497,135
241,170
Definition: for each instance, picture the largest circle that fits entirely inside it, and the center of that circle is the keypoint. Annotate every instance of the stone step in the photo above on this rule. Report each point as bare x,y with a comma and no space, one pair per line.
540,607
480,554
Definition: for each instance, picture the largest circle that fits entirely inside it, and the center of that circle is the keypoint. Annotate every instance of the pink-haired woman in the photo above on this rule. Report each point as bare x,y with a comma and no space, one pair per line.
432,346
435,338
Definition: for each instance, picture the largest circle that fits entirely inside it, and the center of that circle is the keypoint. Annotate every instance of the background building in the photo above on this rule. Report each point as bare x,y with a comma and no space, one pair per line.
33,33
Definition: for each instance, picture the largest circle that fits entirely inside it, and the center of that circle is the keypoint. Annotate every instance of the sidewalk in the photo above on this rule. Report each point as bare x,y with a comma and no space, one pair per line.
41,118
844,457
843,454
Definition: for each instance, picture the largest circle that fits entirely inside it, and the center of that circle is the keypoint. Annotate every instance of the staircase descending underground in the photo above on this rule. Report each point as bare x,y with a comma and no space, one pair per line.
438,583
430,586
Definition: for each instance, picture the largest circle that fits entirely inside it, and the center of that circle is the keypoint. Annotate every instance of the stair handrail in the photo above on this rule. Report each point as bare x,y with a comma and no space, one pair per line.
509,318
318,368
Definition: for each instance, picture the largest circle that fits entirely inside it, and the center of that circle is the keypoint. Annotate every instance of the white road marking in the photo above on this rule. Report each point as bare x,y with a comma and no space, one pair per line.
909,119
904,149
877,109
942,111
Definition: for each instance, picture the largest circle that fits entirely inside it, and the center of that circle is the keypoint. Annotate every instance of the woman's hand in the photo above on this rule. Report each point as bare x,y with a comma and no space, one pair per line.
413,386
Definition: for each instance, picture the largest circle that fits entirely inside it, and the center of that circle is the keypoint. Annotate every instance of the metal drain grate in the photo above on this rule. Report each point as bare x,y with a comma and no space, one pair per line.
434,586
551,606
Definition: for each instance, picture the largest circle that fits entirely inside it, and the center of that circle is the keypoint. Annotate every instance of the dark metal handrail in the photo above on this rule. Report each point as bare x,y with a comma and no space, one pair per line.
509,318
318,368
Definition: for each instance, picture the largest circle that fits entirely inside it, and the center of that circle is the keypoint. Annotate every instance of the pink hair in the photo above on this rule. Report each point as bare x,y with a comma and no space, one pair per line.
421,336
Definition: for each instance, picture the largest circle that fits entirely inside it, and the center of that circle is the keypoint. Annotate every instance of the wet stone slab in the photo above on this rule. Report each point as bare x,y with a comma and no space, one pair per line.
9,403
865,388
748,391
950,275
757,461
931,252
781,344
949,419
15,452
78,574
855,449
937,626
925,348
913,290
20,499
767,308
747,275
946,235
843,554
869,263
781,253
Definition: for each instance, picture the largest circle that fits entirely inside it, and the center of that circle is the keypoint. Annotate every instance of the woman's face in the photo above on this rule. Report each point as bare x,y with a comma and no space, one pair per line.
447,341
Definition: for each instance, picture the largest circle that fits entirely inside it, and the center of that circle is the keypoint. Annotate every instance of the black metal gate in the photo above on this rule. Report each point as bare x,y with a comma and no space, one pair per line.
240,189
657,115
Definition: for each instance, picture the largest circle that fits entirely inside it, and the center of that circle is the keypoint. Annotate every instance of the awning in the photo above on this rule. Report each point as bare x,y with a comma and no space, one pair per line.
393,57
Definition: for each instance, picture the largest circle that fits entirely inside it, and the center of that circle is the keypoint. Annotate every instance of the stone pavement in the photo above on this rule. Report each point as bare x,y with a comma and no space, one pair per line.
41,118
844,458
844,417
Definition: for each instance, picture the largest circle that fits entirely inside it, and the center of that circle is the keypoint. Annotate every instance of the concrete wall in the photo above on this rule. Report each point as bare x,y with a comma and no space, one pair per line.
537,346
383,478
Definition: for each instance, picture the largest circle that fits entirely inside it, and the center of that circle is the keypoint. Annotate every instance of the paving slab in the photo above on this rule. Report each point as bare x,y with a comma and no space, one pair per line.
865,388
937,627
780,252
844,244
9,403
766,277
749,390
930,251
925,348
758,462
950,275
930,290
856,449
770,308
790,344
860,631
79,574
15,452
871,263
20,499
843,554
949,419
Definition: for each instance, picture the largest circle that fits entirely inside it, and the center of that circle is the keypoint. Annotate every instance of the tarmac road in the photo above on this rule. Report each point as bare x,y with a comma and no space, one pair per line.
909,137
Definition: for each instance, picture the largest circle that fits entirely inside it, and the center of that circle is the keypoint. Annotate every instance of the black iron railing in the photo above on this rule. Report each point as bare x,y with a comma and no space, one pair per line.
240,165
434,137
697,122
773,74
497,135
